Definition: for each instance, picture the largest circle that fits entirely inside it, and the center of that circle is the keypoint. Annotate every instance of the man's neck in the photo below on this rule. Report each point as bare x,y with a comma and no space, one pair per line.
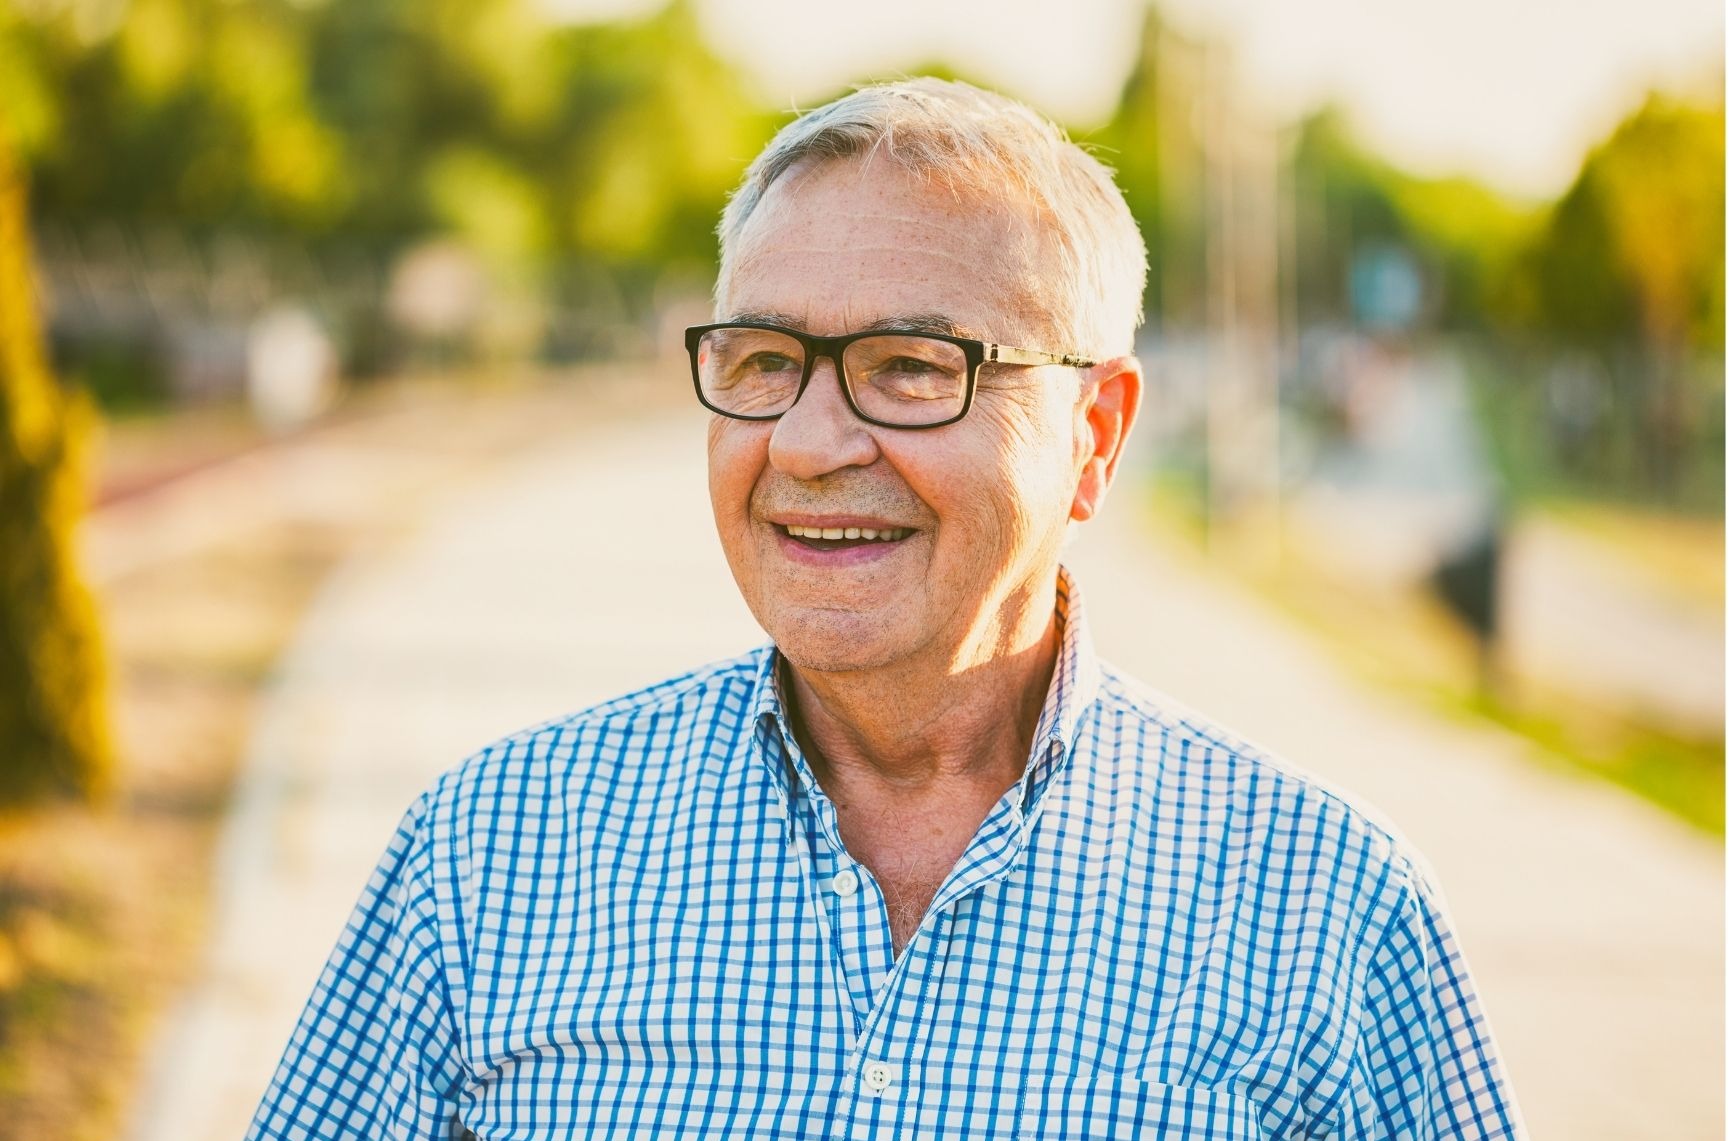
922,728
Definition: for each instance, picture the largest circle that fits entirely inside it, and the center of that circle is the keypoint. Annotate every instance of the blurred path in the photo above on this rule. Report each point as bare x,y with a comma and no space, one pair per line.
588,565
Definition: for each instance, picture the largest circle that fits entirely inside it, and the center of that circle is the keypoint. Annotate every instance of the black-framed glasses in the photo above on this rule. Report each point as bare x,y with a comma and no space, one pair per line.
895,379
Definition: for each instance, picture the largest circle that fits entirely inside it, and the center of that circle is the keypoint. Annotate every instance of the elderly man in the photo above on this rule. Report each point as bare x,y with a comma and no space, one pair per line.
924,867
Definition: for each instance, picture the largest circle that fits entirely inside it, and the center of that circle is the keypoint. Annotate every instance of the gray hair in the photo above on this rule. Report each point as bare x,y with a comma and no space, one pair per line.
991,146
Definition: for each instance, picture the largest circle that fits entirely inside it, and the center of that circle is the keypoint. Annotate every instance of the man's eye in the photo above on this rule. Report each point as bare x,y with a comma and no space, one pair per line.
770,362
910,365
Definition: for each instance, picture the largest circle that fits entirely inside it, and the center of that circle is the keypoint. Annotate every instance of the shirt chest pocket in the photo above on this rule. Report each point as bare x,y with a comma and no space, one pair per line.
1088,1106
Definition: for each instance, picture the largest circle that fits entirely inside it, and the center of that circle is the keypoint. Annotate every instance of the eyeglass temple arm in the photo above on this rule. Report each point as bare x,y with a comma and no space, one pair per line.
1006,355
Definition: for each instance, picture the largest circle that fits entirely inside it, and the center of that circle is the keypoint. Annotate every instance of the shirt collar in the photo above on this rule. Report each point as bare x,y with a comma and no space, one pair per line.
1074,686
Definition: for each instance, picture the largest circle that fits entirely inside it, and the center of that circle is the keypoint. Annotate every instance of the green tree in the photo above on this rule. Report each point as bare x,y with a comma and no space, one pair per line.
376,122
657,130
1630,265
1634,249
53,721
194,113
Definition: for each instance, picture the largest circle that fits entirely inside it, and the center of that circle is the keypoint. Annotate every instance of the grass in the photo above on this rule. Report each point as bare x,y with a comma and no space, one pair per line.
1402,640
1679,555
1679,773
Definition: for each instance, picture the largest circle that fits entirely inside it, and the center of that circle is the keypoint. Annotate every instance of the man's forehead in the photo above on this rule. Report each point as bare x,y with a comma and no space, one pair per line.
814,200
889,248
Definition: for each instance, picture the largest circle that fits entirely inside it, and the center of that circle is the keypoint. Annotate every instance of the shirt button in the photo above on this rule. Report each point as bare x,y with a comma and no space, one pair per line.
878,1076
845,882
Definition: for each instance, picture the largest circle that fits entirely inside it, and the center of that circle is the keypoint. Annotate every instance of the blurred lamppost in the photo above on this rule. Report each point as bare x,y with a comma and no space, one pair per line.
1240,155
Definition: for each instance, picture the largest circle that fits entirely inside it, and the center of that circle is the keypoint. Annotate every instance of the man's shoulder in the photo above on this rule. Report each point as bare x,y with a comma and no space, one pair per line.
1234,791
632,735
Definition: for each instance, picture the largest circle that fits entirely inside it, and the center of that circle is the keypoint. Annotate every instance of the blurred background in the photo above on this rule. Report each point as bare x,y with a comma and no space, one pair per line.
1435,335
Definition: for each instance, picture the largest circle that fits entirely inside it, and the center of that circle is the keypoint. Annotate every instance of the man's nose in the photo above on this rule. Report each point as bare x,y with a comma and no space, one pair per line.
820,434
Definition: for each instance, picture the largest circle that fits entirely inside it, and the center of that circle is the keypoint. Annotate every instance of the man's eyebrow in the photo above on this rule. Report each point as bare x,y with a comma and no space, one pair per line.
919,323
769,317
899,323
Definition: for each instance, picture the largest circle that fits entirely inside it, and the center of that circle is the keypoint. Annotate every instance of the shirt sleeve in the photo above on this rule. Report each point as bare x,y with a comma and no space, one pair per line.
1426,1068
375,1053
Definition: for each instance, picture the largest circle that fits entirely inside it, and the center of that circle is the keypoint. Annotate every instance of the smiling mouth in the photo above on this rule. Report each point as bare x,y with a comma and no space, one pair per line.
840,538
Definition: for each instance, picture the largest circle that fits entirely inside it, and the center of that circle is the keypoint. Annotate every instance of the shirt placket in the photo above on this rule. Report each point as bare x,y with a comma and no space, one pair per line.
886,1071
857,914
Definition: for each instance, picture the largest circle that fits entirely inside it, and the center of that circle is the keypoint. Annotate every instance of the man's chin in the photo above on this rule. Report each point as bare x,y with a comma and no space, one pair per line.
848,645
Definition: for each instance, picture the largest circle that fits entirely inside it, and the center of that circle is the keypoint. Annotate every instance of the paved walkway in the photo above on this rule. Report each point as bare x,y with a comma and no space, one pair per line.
586,567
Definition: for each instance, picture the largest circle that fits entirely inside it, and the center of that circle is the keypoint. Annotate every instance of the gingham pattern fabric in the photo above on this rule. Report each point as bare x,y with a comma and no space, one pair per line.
639,921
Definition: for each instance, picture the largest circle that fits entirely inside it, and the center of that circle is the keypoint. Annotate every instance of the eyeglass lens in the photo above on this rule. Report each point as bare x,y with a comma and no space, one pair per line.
897,378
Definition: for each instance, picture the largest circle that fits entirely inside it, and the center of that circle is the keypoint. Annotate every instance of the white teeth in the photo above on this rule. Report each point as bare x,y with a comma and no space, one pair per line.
887,534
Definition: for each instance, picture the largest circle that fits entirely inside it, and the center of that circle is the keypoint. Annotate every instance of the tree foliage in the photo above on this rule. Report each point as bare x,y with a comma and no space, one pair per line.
373,123
1631,254
1634,250
377,122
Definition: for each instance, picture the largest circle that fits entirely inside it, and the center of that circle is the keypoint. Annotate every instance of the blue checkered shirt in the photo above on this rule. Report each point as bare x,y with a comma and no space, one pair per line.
640,921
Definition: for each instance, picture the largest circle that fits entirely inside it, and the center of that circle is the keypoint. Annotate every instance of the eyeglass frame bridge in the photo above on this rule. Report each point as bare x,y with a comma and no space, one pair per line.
977,353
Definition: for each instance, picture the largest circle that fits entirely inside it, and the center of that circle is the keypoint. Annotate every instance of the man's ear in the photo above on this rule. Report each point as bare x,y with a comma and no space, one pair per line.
1111,401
